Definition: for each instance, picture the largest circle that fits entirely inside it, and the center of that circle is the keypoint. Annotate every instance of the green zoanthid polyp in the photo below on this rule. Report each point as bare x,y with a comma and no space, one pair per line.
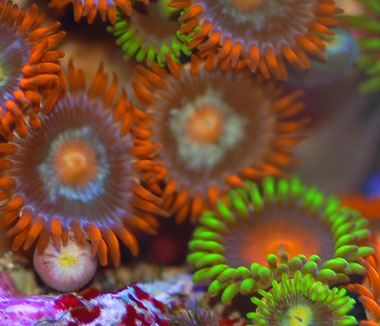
302,301
151,33
367,26
257,233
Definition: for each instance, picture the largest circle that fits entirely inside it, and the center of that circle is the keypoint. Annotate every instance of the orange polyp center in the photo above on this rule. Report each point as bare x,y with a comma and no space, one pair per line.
205,126
75,163
246,5
277,238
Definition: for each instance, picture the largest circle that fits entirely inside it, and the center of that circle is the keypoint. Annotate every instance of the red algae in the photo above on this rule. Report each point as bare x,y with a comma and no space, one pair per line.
130,306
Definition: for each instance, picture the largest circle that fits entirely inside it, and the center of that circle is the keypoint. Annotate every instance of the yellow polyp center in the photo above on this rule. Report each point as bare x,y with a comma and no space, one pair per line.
68,260
205,126
272,238
299,316
75,163
246,5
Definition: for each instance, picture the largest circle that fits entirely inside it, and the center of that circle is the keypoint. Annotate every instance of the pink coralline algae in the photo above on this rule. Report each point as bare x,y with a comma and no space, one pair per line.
130,306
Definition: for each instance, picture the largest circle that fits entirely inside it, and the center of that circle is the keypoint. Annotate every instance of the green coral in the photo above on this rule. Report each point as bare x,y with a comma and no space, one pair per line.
347,229
145,45
302,301
368,24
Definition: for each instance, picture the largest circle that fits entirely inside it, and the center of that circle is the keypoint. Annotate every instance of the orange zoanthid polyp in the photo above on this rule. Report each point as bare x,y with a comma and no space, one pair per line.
29,65
78,174
262,35
216,128
90,9
205,125
75,162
